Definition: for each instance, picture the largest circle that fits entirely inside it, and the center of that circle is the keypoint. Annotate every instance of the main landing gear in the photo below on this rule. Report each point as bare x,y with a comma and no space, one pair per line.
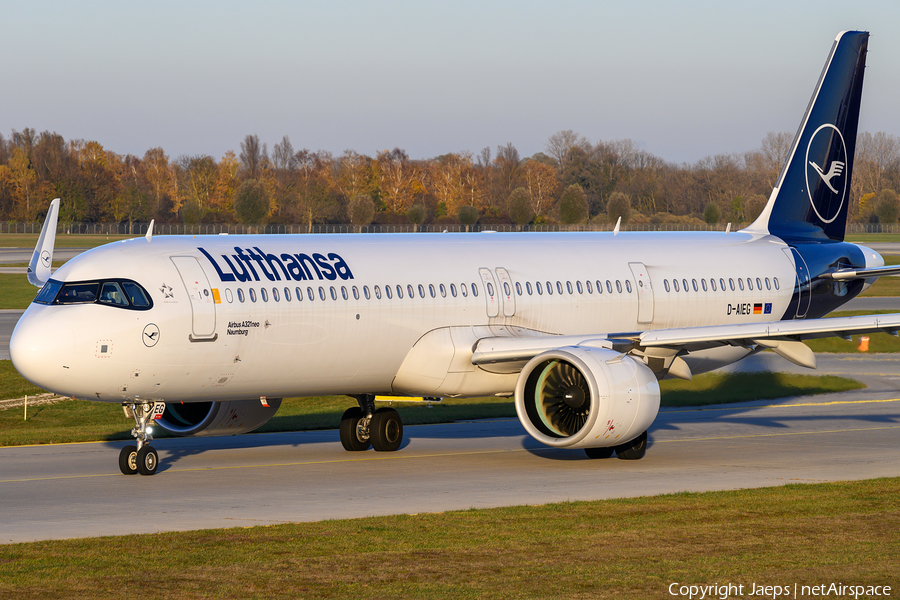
362,426
142,458
633,450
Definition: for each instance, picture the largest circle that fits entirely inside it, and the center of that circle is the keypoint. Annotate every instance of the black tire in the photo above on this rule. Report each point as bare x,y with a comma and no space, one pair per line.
599,452
386,430
350,434
633,450
128,460
147,460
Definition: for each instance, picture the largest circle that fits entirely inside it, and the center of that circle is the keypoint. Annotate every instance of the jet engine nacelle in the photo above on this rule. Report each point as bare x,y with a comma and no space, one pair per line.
577,397
217,418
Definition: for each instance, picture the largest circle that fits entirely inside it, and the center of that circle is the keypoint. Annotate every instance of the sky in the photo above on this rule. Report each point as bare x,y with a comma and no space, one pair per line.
685,80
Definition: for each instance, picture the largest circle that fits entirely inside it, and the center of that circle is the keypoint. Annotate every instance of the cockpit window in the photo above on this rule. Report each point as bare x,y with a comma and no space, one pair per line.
121,293
77,293
48,293
111,293
136,294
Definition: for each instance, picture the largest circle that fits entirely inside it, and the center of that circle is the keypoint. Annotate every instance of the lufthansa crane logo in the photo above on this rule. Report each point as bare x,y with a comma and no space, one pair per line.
45,259
826,185
151,335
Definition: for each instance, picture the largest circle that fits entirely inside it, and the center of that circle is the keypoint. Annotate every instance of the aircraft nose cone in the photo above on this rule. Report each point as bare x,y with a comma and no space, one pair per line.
40,349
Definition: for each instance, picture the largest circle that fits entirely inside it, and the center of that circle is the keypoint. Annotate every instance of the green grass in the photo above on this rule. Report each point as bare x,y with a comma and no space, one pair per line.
16,293
631,548
82,421
12,385
724,388
885,286
878,342
871,238
63,240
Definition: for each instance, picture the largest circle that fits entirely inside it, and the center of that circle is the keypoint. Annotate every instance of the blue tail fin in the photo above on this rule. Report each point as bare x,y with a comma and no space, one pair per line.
811,197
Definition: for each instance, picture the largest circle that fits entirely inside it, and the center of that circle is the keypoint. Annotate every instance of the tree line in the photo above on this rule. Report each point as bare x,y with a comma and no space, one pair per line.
573,181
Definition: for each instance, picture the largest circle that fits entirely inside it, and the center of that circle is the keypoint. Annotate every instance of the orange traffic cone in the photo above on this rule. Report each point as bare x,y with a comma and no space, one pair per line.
864,343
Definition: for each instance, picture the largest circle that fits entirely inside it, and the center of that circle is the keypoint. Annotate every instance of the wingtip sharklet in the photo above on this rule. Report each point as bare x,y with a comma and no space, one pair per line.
42,259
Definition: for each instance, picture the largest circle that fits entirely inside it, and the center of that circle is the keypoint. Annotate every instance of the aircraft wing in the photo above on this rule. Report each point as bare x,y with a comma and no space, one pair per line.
783,337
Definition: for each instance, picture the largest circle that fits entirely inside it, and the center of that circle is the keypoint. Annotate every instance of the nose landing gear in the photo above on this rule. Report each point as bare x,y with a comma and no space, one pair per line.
141,458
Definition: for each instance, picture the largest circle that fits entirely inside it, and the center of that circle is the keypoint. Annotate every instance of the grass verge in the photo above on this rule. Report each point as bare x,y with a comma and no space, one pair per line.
632,548
63,240
83,421
17,292
724,388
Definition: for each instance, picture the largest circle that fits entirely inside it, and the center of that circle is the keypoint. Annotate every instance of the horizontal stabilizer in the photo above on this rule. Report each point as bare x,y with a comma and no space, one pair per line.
844,274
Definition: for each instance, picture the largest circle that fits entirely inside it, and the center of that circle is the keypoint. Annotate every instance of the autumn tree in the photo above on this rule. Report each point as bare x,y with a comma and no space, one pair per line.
452,180
507,166
254,157
467,215
573,206
353,174
251,203
317,191
161,182
196,177
561,142
887,206
416,215
362,210
712,214
619,205
520,206
541,183
398,180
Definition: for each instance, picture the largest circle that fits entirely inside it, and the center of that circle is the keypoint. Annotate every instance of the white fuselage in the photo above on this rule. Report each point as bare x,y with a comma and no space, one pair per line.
220,338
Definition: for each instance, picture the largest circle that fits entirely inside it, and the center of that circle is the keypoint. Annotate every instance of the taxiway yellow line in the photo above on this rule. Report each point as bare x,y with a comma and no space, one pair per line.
374,457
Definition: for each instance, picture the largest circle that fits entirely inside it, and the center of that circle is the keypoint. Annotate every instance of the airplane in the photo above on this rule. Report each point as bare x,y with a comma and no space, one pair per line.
204,335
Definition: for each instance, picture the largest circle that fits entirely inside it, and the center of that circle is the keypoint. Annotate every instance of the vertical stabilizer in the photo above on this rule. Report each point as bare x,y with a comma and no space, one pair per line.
39,267
812,194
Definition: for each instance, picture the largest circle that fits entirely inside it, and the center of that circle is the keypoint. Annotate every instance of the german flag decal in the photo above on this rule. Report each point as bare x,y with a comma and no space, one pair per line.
757,309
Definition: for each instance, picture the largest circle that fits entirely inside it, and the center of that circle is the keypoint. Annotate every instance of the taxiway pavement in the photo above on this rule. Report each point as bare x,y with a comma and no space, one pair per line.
76,490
